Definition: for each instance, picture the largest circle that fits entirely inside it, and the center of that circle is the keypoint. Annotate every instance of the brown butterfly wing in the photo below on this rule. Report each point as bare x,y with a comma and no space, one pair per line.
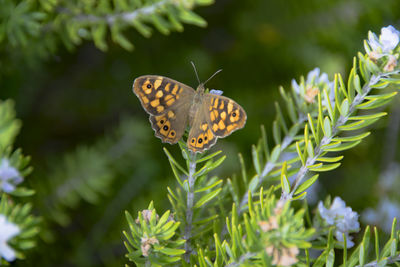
225,115
168,103
158,94
201,137
218,116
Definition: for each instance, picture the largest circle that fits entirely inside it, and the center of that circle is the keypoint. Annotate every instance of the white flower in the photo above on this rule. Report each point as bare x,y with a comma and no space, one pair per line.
315,83
216,92
295,86
314,77
388,40
9,176
7,231
344,218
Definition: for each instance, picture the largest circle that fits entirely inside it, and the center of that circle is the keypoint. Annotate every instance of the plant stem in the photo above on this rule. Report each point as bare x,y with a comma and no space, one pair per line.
389,260
269,166
242,258
110,19
327,139
189,206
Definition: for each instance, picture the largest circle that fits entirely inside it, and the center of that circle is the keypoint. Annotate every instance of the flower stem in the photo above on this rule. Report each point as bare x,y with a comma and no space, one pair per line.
189,206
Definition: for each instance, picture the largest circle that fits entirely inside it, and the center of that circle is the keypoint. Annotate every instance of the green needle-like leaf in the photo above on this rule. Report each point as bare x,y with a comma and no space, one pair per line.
206,198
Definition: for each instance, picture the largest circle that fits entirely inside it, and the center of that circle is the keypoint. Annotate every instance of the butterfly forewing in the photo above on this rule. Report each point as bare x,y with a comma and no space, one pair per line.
159,94
168,103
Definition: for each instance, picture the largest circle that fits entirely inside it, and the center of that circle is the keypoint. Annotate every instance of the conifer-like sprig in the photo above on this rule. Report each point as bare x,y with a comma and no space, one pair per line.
28,225
198,197
264,229
152,239
327,115
19,227
23,24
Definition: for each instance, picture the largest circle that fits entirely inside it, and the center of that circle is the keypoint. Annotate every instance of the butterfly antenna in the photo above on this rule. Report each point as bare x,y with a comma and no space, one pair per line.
218,71
195,71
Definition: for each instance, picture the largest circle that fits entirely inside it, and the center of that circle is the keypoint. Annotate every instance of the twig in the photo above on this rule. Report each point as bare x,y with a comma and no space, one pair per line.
269,166
125,16
189,206
242,258
326,140
389,260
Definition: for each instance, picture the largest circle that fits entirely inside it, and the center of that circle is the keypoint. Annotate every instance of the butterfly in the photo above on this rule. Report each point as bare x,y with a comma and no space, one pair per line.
173,105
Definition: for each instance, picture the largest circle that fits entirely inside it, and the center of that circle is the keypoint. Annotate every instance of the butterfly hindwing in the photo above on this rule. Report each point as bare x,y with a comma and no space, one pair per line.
170,127
218,116
201,137
225,115
159,94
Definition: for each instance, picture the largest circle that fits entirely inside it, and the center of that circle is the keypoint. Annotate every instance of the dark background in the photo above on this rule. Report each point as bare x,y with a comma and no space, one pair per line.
76,100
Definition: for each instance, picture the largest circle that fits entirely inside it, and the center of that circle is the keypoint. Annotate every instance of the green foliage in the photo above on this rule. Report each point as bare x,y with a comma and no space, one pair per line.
198,199
41,25
85,175
361,255
217,221
263,231
268,232
20,163
154,238
88,173
14,165
326,117
20,215
9,126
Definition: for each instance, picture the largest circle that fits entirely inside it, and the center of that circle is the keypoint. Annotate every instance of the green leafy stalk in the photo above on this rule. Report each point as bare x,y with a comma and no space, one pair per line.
189,205
335,129
197,197
388,261
274,158
151,239
72,22
242,259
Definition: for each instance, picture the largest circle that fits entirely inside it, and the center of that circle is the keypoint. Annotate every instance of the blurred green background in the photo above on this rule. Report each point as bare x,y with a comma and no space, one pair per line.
80,117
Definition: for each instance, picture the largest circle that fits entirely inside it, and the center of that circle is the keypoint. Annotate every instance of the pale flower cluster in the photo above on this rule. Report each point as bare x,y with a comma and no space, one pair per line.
9,176
146,244
387,41
282,256
8,230
343,218
146,214
384,46
315,83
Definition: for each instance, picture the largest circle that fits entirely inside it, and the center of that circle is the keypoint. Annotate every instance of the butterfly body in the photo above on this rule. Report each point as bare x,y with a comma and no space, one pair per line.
196,103
173,105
